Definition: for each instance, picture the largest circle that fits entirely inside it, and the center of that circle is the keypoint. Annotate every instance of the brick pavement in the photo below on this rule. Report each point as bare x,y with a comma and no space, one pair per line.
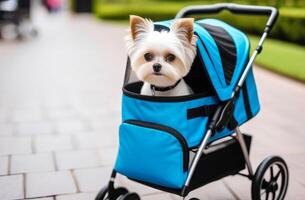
60,108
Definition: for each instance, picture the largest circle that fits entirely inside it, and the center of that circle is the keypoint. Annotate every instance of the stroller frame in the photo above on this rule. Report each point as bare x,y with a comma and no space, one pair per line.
224,111
222,117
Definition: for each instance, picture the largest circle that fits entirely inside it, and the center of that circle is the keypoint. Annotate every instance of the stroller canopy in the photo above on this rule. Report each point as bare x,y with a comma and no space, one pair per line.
223,51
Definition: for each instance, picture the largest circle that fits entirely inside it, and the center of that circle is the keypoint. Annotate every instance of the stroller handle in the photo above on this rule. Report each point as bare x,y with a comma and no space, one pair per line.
233,8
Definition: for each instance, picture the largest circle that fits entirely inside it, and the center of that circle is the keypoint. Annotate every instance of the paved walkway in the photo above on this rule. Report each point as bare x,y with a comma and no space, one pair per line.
60,108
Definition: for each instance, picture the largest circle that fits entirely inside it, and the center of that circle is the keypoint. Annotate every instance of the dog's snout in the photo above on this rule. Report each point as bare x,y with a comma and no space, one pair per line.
157,67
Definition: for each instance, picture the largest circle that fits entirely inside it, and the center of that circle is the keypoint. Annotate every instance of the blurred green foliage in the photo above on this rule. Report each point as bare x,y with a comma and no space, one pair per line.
282,57
289,27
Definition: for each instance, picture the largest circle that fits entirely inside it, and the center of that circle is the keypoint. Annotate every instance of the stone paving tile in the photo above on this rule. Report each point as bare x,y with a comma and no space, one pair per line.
71,126
108,155
15,145
52,143
62,114
34,128
6,129
106,123
3,165
92,112
92,179
78,196
49,183
242,188
3,114
32,163
27,115
11,187
47,198
215,190
92,140
76,159
157,197
137,187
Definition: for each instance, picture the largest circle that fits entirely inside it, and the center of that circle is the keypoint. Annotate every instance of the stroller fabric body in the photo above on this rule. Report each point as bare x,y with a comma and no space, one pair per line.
157,133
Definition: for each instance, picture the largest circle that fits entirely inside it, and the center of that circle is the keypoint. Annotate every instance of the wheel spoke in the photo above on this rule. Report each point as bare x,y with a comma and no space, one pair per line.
277,175
273,195
267,195
271,173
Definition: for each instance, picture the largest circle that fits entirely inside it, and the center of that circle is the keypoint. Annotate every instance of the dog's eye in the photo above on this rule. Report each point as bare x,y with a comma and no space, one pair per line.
148,57
170,58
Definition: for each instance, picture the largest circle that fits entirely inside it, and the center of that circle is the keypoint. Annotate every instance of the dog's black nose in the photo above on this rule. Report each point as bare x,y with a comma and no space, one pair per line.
157,67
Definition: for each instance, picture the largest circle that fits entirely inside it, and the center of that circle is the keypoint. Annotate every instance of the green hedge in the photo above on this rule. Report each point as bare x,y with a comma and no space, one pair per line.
282,57
290,25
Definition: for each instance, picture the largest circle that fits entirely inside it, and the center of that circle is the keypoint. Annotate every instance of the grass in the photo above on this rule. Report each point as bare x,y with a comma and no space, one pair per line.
282,57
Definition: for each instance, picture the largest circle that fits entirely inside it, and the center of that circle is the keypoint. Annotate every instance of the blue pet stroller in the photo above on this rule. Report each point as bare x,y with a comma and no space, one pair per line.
178,144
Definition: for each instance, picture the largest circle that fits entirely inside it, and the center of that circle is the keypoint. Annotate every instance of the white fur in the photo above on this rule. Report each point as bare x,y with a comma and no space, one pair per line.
181,89
161,43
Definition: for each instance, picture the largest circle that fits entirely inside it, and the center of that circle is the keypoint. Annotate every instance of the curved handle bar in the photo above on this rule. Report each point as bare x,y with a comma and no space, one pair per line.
234,8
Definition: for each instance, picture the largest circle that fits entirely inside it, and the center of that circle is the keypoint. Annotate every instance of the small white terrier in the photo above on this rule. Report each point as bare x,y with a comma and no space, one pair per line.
162,58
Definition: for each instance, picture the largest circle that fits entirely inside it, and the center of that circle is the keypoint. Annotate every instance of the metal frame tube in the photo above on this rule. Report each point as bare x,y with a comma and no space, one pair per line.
251,61
197,157
244,149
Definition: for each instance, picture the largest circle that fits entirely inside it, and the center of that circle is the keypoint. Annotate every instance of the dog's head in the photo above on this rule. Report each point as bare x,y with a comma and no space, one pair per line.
161,58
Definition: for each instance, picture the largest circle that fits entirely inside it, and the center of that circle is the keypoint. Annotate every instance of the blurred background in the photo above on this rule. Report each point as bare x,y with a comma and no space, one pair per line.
62,65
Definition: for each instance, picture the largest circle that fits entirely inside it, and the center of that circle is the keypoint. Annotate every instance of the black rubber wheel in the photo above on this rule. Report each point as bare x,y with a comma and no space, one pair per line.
270,181
118,192
102,194
194,198
130,196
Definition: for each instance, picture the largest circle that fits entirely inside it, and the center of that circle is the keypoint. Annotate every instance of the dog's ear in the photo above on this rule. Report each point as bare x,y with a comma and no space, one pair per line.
139,25
184,28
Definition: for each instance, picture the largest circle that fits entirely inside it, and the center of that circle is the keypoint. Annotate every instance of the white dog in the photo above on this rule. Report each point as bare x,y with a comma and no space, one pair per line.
162,58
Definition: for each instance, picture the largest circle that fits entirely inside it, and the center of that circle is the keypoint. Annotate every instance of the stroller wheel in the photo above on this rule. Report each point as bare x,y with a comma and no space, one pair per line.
118,192
103,193
270,181
194,199
130,196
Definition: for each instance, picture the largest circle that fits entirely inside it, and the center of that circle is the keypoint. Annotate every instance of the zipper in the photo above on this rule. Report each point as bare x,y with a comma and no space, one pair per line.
169,130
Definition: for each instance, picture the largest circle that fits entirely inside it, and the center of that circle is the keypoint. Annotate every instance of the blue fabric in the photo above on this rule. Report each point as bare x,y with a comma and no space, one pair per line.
156,157
150,155
172,114
242,47
213,63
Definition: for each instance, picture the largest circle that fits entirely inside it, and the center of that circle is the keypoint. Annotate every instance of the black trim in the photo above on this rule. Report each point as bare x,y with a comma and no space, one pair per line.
159,28
159,187
127,72
202,111
205,48
137,95
164,89
246,100
226,47
169,130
